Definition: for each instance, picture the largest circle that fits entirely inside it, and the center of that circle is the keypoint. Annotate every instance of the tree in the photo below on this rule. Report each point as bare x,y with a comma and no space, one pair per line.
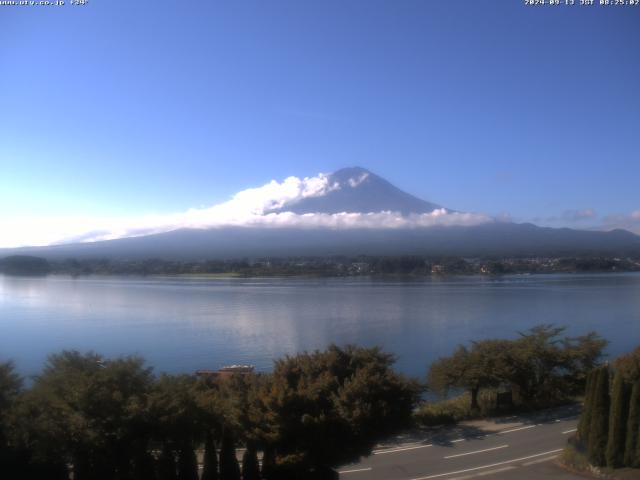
178,420
584,424
210,467
167,465
618,417
250,466
331,407
599,419
632,442
229,467
187,463
88,412
483,366
268,464
540,366
629,365
10,388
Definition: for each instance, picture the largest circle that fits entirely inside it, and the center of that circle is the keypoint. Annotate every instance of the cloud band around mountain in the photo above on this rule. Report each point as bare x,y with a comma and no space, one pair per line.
248,208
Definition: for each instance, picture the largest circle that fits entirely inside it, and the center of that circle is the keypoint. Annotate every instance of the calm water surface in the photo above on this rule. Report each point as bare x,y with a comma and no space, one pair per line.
180,324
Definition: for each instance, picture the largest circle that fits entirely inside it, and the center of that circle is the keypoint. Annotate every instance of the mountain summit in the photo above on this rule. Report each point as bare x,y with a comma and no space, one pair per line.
310,224
357,190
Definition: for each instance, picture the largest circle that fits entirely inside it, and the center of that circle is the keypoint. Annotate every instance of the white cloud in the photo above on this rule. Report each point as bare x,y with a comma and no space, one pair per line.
578,215
629,222
247,208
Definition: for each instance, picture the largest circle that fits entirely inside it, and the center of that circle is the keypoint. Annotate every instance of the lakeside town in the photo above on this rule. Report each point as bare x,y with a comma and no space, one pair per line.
338,266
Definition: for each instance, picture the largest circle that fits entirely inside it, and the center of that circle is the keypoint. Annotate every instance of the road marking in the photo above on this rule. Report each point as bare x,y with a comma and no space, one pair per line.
459,440
540,460
355,470
489,466
477,451
484,474
570,431
382,452
517,429
497,470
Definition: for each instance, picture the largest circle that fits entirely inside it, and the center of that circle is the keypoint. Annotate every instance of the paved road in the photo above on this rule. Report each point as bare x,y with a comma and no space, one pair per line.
525,449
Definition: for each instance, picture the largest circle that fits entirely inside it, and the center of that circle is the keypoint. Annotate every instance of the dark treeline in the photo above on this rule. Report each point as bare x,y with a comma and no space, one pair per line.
540,368
95,418
115,420
320,266
609,428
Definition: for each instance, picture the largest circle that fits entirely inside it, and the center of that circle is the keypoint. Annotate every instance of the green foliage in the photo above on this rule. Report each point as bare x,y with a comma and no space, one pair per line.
584,424
89,412
542,367
210,467
167,469
10,388
574,458
598,429
453,410
629,365
329,408
187,463
24,265
229,467
632,442
250,465
618,417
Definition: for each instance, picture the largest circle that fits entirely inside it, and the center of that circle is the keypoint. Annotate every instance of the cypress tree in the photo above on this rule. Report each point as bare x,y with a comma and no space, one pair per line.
229,468
250,466
597,443
187,464
633,428
167,465
210,470
585,418
618,416
268,463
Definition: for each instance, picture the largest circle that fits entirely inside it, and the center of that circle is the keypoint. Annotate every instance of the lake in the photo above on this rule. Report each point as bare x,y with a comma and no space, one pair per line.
185,324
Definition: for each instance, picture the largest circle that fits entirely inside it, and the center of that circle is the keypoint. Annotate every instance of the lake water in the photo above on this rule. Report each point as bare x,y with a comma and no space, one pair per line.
184,324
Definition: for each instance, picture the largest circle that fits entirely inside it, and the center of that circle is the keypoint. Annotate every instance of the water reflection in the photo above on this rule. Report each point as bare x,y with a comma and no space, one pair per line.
186,324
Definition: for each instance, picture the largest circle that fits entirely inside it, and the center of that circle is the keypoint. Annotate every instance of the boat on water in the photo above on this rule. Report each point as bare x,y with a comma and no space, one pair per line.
227,371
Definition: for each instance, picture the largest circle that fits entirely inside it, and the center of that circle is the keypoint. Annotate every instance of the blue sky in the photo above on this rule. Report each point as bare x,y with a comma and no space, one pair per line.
122,108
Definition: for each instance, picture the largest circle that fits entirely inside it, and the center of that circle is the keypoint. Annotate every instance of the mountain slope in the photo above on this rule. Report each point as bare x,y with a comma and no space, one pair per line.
494,239
359,191
356,189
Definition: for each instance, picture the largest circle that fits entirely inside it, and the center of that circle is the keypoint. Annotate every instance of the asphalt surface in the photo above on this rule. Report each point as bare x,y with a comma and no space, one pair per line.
518,447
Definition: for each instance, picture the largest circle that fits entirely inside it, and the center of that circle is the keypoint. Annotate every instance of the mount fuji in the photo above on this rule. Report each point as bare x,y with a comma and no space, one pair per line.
349,212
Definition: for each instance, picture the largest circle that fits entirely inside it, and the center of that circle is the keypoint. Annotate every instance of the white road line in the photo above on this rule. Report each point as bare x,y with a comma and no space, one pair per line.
382,452
497,470
570,431
477,451
488,466
355,470
540,460
459,440
517,429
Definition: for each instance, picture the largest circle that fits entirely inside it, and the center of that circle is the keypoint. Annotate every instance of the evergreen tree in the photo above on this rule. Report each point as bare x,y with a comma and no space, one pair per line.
585,418
229,468
250,466
597,444
187,464
210,470
268,463
167,465
618,416
632,443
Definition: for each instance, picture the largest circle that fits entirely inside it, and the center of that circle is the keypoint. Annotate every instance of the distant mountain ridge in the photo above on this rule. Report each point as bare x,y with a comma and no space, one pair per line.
359,191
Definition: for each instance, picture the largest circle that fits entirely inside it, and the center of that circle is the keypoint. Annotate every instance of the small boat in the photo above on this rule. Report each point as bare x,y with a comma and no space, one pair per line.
227,371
